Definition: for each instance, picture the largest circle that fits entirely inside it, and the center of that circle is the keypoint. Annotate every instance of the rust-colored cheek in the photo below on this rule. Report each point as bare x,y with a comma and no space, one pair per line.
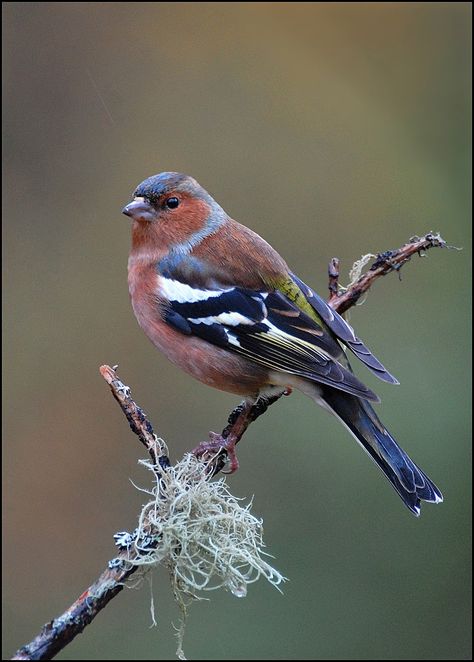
170,228
176,226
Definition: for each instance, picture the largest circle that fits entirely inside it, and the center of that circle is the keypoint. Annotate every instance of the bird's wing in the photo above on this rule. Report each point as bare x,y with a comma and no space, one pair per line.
264,326
315,306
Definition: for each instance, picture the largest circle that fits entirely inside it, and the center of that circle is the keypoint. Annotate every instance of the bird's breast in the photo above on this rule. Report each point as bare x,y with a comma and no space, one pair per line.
212,365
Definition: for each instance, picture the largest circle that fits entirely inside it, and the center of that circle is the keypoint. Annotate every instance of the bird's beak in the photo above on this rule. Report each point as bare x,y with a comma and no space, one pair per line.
140,210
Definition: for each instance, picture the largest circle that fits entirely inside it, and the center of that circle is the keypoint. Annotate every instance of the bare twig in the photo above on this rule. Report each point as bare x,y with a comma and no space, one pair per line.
59,632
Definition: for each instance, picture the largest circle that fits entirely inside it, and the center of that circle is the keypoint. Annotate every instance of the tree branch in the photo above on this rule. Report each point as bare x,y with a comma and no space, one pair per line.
59,632
392,260
56,634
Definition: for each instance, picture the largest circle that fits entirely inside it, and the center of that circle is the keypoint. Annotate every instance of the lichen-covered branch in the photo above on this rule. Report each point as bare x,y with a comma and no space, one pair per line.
136,418
56,634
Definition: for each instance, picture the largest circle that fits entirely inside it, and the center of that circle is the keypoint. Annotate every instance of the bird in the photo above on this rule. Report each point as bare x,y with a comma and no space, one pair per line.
218,301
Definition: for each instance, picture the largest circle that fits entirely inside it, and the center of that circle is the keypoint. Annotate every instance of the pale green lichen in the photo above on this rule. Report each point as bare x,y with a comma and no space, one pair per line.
357,268
203,535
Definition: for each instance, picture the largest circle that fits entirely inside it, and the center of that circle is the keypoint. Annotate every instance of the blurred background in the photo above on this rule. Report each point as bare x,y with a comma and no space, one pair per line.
330,129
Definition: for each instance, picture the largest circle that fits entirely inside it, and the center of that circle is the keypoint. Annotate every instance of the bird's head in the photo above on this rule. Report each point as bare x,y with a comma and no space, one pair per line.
172,210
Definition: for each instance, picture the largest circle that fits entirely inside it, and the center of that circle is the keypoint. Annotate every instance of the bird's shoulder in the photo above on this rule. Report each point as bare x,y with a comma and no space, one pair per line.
239,256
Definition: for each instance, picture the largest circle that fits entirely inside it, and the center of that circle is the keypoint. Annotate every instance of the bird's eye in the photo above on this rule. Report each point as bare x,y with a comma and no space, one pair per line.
172,203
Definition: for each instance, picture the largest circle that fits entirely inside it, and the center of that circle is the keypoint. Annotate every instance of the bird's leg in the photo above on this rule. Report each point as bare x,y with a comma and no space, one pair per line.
222,446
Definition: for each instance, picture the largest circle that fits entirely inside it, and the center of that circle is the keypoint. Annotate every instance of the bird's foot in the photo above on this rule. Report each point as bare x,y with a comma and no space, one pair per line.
215,445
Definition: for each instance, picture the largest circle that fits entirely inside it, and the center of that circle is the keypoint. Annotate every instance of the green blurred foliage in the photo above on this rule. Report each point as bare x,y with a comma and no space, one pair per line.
330,129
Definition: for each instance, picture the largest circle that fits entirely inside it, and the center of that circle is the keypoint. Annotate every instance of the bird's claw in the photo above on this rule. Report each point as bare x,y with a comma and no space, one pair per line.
215,445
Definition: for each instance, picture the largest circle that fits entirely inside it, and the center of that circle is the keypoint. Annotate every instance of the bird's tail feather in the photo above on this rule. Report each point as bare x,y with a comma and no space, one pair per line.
359,417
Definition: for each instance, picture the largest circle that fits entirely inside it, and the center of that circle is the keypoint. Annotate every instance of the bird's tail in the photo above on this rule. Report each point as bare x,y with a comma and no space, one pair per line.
361,420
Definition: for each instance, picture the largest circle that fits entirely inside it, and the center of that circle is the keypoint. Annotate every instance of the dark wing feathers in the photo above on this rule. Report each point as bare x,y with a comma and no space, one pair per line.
344,331
292,320
241,301
178,321
267,328
264,347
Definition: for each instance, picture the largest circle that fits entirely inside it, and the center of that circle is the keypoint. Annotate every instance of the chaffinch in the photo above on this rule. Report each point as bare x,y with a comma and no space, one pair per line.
222,304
